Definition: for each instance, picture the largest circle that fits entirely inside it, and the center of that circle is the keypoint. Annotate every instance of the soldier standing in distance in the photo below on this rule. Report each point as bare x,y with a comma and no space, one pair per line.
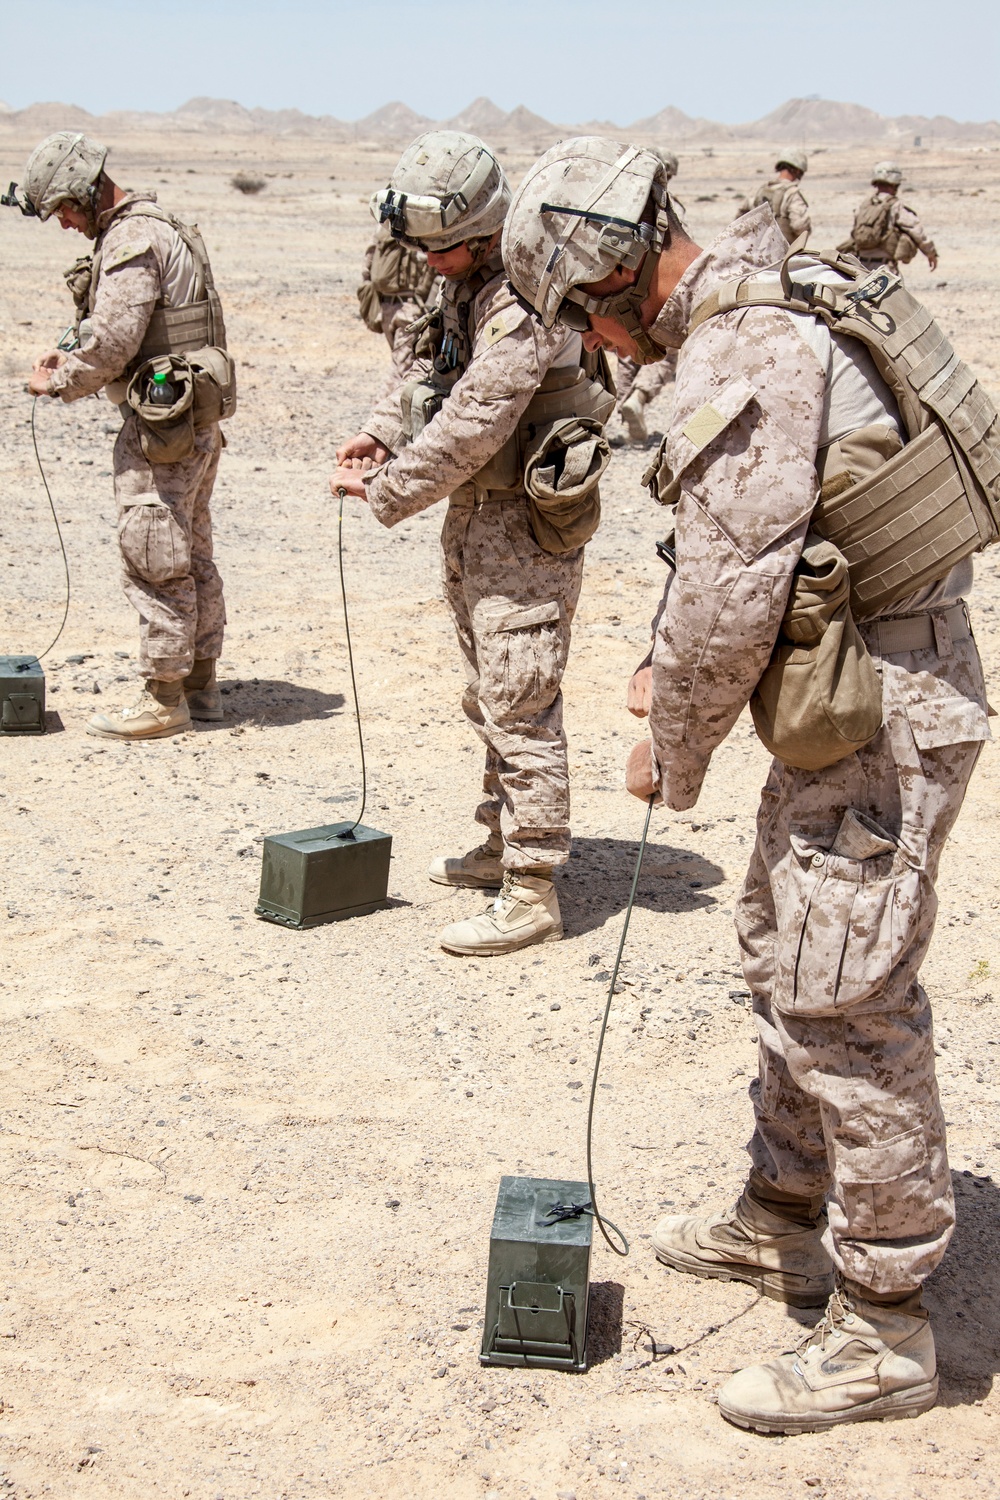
500,380
886,231
784,196
837,910
396,286
145,265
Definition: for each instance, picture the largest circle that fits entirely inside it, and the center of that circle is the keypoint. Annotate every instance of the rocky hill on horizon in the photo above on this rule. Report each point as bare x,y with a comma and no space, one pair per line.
798,121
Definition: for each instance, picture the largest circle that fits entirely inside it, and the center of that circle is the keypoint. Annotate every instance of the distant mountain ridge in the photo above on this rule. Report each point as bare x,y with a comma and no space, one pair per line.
798,121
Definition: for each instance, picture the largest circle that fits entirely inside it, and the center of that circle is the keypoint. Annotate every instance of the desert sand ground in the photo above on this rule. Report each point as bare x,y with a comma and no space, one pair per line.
248,1174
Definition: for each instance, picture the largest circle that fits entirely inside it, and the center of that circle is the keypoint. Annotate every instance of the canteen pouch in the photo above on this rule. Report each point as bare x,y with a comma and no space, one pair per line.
563,465
820,697
166,433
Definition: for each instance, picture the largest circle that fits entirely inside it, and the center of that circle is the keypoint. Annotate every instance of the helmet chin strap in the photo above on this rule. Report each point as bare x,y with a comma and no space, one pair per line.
625,307
479,249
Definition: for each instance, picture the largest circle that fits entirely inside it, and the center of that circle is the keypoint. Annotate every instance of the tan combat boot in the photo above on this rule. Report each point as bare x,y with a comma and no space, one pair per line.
201,690
525,911
866,1361
770,1239
633,415
160,710
480,868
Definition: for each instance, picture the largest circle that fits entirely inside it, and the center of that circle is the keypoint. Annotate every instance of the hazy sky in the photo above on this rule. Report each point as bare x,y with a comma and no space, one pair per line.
729,60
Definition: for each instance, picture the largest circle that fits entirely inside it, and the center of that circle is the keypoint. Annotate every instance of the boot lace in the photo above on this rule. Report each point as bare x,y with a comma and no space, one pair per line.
837,1309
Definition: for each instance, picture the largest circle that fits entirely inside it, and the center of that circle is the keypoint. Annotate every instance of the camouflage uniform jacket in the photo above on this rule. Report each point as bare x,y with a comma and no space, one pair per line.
136,253
511,353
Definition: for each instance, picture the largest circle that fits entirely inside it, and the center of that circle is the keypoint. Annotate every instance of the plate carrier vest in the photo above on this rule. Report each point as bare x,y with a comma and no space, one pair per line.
199,324
937,500
586,390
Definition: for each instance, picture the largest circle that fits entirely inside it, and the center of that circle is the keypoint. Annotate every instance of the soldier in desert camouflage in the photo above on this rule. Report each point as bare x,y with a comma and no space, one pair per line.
498,374
838,905
886,231
783,195
396,286
144,266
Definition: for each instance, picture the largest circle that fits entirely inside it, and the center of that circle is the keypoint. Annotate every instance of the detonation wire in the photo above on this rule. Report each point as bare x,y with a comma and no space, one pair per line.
600,1047
349,833
62,545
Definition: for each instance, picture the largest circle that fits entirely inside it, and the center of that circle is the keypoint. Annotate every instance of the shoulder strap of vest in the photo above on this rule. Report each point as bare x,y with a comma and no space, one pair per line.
819,298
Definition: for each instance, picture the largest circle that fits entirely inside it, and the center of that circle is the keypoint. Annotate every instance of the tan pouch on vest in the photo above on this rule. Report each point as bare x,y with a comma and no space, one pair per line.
563,466
214,372
370,307
820,698
166,433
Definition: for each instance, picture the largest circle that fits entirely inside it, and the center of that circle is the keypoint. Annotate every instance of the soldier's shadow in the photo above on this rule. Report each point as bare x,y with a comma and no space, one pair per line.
963,1295
269,701
596,881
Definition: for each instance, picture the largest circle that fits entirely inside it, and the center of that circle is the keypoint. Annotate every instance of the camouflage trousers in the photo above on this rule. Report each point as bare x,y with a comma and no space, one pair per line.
646,380
834,921
513,605
165,538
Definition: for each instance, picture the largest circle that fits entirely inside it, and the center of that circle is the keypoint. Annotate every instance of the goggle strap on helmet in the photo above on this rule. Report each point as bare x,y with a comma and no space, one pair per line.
459,203
626,159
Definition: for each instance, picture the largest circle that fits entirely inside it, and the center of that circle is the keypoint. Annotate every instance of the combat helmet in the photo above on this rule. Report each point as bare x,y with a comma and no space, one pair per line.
447,189
65,168
794,158
888,172
588,207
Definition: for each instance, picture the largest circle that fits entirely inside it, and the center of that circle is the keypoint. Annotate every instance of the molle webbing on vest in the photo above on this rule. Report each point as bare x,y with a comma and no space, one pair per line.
902,527
938,500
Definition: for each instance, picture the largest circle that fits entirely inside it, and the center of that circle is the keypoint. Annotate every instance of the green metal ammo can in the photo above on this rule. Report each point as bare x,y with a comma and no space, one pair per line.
538,1282
324,874
22,695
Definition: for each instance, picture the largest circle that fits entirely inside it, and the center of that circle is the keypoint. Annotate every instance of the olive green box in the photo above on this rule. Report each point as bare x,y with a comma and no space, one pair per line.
324,874
22,695
538,1282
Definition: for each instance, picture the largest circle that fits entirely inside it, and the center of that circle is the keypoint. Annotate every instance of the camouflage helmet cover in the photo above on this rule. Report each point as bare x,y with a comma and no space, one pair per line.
887,171
63,168
447,187
576,217
794,158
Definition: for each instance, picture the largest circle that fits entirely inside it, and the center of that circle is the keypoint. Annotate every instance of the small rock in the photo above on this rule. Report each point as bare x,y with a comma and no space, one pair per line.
440,1372
392,1203
193,1198
555,1005
575,1085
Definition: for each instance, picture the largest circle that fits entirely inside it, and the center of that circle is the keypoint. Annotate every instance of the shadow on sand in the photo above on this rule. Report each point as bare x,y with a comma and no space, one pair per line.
595,883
